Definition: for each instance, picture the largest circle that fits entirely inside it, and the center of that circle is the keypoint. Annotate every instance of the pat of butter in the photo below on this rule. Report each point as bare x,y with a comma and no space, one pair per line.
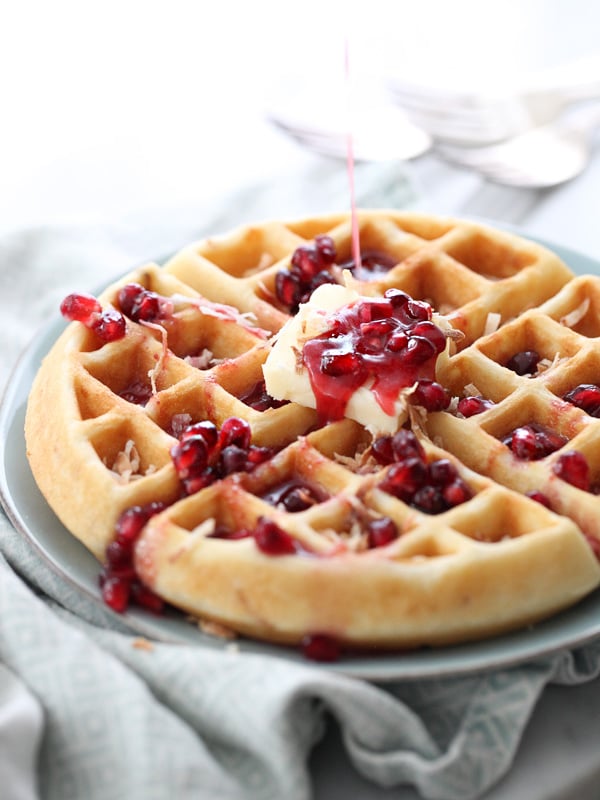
286,378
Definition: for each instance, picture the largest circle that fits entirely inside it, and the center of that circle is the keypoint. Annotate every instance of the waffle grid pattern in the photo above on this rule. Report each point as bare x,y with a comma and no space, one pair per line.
465,271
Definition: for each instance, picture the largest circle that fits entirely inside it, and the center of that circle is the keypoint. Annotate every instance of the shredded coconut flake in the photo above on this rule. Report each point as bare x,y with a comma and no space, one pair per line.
212,628
126,466
154,373
142,644
546,364
245,319
492,323
204,360
576,315
472,391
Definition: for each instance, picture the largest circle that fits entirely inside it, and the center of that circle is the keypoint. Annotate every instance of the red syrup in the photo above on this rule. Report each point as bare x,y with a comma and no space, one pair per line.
373,264
388,340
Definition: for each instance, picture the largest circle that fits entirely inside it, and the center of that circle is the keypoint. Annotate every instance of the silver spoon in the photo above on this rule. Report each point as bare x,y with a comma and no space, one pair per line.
542,157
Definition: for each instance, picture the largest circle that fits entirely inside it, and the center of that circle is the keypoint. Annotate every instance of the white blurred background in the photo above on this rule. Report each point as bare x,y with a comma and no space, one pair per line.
123,107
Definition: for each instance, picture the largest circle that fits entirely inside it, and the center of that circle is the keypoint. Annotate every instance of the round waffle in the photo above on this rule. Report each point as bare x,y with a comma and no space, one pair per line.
352,557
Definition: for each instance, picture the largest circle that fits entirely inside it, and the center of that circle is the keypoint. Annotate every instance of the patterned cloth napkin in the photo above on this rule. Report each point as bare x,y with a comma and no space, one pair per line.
86,712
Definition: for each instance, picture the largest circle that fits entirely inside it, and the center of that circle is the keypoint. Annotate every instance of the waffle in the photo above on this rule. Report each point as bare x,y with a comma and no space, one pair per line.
106,430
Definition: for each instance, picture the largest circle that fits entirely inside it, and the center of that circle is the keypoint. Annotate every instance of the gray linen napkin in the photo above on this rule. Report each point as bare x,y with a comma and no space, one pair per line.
122,721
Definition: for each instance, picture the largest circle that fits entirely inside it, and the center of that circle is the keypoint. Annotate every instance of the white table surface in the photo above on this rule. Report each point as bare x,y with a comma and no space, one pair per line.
80,144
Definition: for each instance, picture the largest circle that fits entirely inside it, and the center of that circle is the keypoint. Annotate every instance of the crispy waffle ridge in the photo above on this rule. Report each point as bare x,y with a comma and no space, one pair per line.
496,562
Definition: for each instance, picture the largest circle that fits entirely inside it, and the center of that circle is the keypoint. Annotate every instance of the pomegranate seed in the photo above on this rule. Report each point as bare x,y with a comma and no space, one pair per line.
206,430
406,445
146,598
321,647
326,248
259,399
119,553
198,482
337,363
128,297
524,444
190,457
116,592
428,330
235,431
587,397
137,393
375,310
456,492
397,341
130,524
405,478
381,531
418,350
429,499
232,459
430,395
382,450
470,406
539,497
524,362
397,298
110,326
573,468
80,307
418,310
273,540
258,455
442,471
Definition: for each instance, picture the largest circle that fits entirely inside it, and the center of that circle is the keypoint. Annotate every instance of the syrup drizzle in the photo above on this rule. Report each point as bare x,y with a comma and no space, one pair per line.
350,163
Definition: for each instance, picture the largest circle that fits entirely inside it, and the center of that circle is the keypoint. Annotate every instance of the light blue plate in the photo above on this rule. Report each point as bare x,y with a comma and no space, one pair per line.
32,516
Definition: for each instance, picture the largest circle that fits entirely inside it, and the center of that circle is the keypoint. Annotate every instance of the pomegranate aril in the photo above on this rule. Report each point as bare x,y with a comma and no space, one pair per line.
524,444
259,399
405,445
80,307
337,363
130,524
258,455
573,468
119,553
418,350
116,593
374,311
429,330
587,397
397,298
442,471
110,326
206,430
405,478
305,264
232,459
146,598
326,248
470,406
397,341
137,393
381,532
190,457
539,497
128,297
198,482
417,310
429,499
456,492
381,449
273,540
430,395
524,362
321,647
287,289
235,431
